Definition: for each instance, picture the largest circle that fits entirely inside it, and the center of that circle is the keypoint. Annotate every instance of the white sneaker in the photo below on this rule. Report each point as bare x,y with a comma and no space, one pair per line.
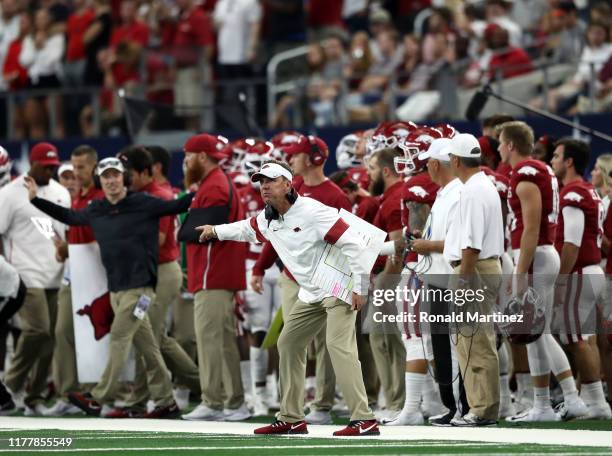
433,408
598,412
62,408
260,408
386,415
406,419
181,397
523,403
240,414
506,408
535,414
341,410
204,413
36,410
572,409
318,417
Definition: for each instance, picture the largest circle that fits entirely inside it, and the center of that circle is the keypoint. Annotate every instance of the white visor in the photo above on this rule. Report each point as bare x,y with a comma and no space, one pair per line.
65,167
272,171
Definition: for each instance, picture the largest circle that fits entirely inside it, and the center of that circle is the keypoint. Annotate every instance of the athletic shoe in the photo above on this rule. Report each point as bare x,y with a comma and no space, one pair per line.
406,419
7,408
181,397
341,410
571,409
35,410
442,420
534,415
240,414
62,408
359,428
318,417
471,420
204,413
433,408
85,402
506,408
124,412
169,411
282,427
598,412
523,403
386,415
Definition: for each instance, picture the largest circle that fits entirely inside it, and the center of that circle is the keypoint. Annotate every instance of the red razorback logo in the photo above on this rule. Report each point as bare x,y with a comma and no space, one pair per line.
100,314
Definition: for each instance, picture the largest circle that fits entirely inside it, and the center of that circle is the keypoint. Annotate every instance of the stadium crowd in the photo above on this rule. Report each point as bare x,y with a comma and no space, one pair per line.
201,312
364,56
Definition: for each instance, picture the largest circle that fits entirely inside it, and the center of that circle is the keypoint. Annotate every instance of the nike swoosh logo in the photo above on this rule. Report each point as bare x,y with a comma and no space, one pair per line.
294,427
364,430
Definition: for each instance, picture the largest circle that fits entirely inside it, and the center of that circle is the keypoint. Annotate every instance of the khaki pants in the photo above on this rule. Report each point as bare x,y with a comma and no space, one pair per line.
325,377
305,321
218,357
477,354
390,359
289,291
34,351
65,372
125,331
368,366
183,329
184,369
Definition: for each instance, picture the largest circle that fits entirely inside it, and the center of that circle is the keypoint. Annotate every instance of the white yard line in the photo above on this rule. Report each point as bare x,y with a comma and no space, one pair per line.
407,433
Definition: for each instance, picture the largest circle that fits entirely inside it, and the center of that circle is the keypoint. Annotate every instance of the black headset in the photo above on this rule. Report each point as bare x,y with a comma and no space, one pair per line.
316,155
271,213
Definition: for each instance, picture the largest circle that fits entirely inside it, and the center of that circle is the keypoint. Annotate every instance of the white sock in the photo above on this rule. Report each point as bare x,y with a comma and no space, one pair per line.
524,385
272,387
259,364
568,385
504,387
593,394
245,374
430,391
311,382
542,397
414,390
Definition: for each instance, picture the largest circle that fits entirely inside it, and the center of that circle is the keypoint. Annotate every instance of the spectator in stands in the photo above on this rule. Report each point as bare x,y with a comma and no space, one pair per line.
498,12
355,15
440,21
9,25
360,58
15,75
78,22
96,38
507,61
42,54
193,48
596,53
238,25
603,95
528,13
324,18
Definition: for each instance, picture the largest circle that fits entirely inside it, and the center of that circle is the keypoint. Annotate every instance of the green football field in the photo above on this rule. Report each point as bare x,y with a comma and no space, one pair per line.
174,437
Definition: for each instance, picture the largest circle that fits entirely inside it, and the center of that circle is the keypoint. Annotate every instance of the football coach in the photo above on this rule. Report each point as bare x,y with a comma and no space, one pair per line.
299,228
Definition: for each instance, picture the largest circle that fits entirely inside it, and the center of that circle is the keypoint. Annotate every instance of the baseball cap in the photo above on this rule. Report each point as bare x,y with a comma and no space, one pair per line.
207,144
305,144
109,163
436,150
271,171
65,167
463,145
44,153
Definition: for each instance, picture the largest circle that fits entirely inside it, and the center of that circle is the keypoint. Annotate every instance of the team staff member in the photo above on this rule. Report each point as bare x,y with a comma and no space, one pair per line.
581,279
84,160
436,277
27,234
299,228
126,228
473,249
533,202
169,279
215,271
307,157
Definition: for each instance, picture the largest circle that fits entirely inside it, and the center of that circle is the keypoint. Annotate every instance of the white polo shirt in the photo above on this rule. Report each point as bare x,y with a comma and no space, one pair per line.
478,222
9,280
437,228
300,237
22,227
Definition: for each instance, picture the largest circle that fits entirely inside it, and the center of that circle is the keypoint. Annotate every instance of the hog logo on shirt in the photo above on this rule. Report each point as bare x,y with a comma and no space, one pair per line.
100,314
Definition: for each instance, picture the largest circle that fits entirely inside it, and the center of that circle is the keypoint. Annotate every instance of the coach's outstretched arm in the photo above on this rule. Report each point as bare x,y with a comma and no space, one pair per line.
60,213
242,231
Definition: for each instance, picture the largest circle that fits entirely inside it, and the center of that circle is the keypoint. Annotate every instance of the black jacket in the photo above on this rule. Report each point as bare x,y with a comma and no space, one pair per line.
127,232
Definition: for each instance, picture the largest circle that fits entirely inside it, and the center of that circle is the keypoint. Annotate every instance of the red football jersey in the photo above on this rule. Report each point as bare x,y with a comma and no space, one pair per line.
83,234
169,251
607,228
582,195
253,204
501,182
541,175
366,207
360,175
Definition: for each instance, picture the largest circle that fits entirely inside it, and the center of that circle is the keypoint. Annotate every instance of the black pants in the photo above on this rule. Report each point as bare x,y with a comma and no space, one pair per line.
10,308
441,344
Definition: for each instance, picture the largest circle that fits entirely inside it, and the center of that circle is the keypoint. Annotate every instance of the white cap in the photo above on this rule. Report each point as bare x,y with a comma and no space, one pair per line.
464,145
65,167
272,171
109,163
437,150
